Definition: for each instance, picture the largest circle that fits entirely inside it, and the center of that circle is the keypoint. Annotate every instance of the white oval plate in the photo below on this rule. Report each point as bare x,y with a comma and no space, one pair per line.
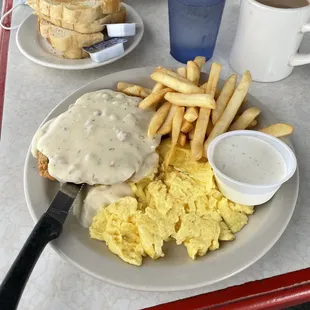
175,271
36,48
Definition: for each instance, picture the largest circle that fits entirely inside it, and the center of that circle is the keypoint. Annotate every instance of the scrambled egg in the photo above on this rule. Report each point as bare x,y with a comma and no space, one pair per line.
115,225
182,203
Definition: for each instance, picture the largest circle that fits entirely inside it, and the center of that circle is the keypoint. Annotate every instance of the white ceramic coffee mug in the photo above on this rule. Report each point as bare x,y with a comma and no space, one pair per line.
268,37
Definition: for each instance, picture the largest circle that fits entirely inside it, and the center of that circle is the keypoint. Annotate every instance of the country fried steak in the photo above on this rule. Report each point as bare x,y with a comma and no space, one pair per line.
43,166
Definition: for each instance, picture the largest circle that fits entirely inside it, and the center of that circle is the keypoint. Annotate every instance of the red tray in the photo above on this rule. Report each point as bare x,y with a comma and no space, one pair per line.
273,293
4,46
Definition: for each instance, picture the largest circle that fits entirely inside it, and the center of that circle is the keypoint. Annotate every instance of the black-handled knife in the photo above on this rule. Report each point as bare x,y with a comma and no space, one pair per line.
48,228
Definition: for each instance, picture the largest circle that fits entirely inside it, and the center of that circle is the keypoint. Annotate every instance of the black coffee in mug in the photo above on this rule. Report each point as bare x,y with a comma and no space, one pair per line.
285,4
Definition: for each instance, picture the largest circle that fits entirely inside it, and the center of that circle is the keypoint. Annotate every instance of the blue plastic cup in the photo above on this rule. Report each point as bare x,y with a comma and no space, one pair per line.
194,26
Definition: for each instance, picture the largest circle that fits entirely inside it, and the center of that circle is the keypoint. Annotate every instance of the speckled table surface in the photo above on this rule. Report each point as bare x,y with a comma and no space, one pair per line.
32,91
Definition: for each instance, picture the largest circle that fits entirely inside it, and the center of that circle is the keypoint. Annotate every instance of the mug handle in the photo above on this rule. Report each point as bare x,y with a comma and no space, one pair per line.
301,59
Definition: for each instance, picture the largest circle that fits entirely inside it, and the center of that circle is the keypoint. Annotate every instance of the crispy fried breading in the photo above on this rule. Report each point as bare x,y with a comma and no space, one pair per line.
43,166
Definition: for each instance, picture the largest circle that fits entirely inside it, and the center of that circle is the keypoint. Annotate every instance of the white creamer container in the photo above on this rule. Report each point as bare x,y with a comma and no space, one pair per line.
121,30
250,194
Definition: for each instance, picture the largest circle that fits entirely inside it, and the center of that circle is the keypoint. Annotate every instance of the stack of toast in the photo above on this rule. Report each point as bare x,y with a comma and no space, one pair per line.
70,25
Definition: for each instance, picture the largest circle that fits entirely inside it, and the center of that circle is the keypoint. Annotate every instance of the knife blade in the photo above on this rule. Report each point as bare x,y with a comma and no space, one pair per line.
61,204
49,227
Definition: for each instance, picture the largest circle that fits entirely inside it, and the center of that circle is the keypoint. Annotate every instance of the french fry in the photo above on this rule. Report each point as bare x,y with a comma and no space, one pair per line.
177,124
204,87
174,74
224,97
182,72
182,139
166,127
177,83
232,108
237,115
278,130
191,100
253,124
123,85
154,98
193,72
204,114
245,119
186,126
191,114
209,128
217,94
200,61
158,87
176,129
191,134
158,119
211,86
200,133
133,90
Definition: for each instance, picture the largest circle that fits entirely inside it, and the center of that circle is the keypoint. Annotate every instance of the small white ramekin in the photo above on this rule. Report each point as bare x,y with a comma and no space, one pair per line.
249,194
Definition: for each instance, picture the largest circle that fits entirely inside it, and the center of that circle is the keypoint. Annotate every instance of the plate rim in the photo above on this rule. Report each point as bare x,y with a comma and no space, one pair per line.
151,288
91,64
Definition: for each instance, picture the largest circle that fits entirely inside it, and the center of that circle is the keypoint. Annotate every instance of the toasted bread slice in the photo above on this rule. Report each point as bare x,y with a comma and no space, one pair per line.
74,53
95,26
75,11
65,40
